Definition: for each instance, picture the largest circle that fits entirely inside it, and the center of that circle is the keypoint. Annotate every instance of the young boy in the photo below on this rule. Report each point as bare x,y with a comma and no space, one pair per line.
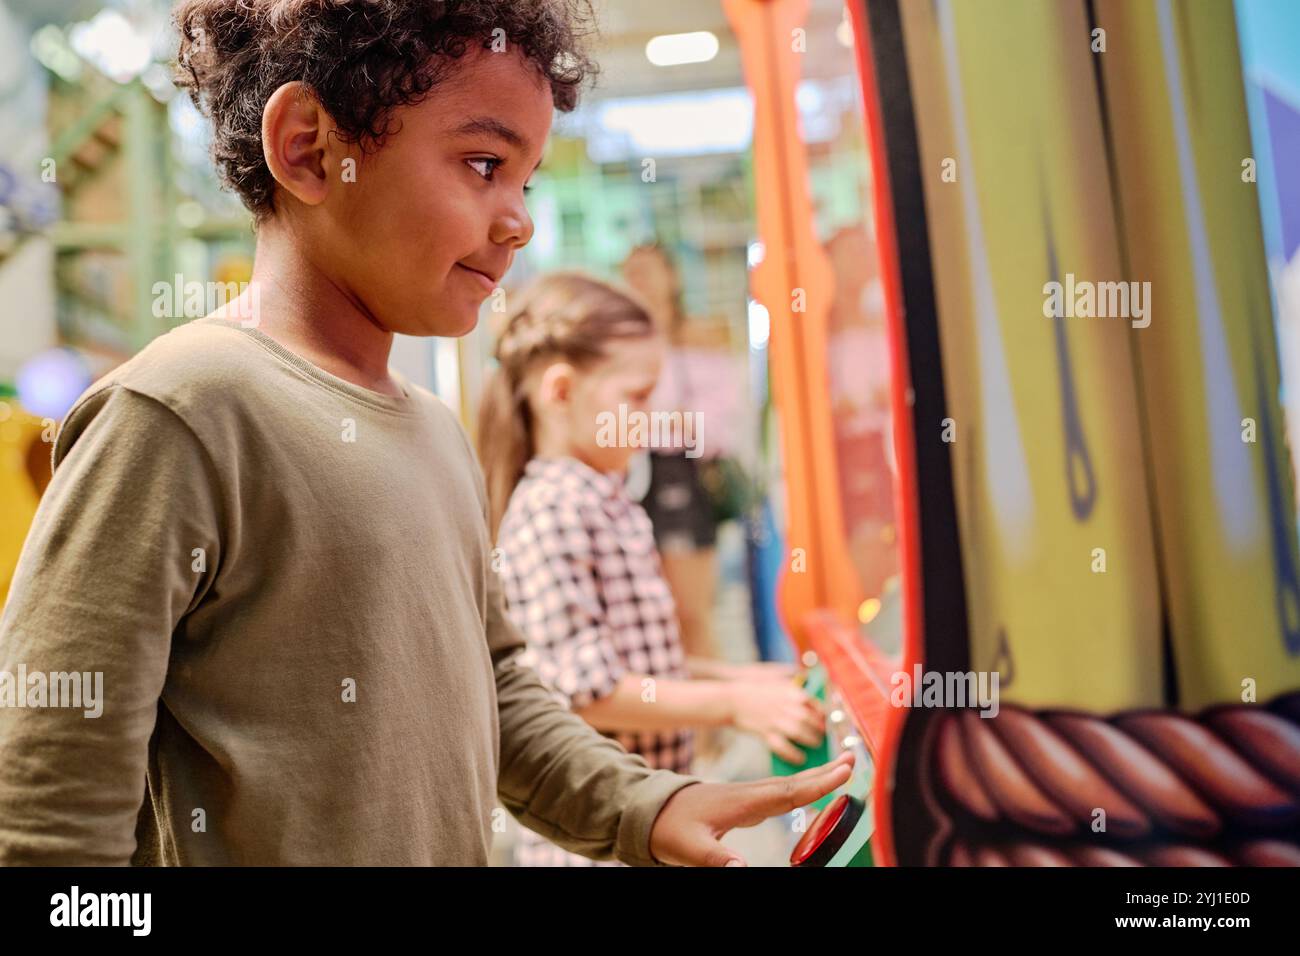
274,549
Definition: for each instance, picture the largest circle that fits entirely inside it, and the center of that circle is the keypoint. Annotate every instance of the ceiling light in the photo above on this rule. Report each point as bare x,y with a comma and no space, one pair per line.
674,49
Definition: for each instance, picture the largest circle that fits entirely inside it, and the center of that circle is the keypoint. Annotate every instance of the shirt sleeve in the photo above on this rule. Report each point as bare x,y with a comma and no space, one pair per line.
553,597
558,776
124,543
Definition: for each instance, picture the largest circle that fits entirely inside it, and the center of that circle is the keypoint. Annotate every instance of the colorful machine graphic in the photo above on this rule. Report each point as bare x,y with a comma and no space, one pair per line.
1096,498
1126,504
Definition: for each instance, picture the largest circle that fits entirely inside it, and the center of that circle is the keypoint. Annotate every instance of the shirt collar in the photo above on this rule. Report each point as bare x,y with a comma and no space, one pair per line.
607,484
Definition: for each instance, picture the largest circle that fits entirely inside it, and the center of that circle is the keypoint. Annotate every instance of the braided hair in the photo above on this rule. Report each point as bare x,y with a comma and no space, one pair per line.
562,316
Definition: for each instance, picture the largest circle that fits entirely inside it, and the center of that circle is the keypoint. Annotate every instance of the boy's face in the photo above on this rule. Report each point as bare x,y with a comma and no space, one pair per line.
436,214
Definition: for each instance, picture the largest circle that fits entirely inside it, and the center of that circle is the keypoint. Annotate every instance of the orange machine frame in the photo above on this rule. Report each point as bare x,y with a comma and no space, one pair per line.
819,601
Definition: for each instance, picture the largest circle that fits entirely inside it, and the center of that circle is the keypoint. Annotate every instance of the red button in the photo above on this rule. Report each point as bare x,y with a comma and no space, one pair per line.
821,828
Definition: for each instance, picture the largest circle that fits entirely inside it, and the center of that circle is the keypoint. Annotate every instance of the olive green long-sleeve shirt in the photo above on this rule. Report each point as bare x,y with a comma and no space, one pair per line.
287,585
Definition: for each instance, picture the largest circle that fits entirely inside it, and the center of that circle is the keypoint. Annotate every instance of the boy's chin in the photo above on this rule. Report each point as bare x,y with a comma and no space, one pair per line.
445,323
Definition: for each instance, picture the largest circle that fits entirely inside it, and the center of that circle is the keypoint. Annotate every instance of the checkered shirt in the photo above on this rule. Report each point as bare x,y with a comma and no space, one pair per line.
583,584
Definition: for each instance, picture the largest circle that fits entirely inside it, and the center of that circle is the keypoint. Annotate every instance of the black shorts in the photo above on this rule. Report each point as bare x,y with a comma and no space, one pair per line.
678,504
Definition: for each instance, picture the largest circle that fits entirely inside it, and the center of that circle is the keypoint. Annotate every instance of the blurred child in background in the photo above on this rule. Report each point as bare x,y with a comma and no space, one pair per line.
581,574
677,501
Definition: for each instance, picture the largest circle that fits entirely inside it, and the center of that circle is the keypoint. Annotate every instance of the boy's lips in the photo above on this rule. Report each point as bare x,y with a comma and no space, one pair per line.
489,283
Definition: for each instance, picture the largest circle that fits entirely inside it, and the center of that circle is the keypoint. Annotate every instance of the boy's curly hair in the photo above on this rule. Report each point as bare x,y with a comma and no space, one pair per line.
361,58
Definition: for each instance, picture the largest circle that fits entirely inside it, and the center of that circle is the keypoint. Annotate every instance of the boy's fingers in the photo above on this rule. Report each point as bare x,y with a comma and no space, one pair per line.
713,853
778,795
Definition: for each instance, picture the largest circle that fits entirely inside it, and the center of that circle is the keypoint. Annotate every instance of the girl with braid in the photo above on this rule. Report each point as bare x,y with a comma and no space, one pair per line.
581,575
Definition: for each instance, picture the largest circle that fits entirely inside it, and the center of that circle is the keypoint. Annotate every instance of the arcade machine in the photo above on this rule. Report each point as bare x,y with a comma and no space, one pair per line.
842,560
1095,507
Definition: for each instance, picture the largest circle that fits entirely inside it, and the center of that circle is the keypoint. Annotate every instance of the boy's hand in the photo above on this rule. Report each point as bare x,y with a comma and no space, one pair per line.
690,825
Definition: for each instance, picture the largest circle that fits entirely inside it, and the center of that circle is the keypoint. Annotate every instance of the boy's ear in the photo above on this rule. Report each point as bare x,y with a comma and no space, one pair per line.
297,144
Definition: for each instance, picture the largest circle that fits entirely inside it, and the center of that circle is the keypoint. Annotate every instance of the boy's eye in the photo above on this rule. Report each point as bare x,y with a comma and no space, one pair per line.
490,164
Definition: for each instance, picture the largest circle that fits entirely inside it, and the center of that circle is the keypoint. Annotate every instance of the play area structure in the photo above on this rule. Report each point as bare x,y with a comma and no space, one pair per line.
1093,509
1036,517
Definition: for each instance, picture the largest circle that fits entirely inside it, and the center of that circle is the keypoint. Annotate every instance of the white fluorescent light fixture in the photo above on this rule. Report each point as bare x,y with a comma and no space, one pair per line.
683,124
699,123
112,44
676,49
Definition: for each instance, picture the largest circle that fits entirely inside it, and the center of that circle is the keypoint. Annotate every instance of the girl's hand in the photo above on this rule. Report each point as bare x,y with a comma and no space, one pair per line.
778,713
765,670
693,821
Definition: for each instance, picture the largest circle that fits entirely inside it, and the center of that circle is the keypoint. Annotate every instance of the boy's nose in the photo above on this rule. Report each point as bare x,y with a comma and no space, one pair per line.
514,228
